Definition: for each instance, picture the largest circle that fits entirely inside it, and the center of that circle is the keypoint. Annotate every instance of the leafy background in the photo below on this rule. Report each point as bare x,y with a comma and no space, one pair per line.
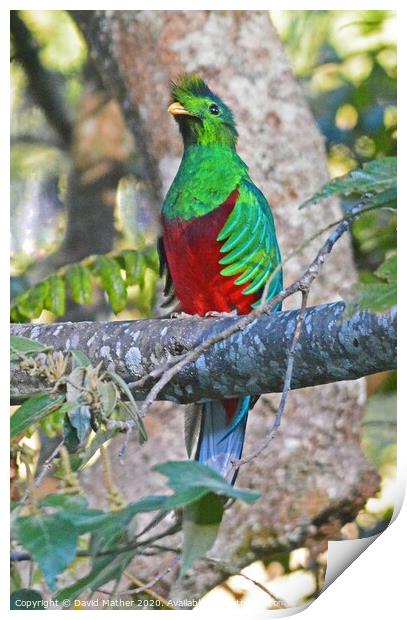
346,62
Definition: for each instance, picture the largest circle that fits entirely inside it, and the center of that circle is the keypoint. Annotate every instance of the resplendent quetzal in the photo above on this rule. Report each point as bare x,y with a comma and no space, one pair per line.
218,247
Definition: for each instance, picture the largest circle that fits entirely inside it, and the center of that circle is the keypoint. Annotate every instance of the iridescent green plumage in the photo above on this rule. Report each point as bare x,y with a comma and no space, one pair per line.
250,246
219,244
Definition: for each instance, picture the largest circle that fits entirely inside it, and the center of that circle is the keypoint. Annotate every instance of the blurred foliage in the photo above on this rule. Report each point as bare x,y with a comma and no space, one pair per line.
39,162
379,430
374,188
62,45
114,274
346,62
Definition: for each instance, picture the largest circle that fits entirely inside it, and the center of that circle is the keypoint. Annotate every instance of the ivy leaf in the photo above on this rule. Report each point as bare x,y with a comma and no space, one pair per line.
374,177
79,278
32,410
24,345
55,298
50,540
109,272
192,480
200,524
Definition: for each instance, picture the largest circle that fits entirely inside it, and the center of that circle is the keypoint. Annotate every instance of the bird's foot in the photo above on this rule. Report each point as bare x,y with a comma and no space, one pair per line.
182,315
221,315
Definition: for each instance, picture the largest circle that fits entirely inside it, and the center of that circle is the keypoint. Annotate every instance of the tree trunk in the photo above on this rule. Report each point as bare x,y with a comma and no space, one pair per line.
314,477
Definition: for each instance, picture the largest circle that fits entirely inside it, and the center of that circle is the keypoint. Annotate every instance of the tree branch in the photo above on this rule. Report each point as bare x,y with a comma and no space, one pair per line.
95,27
331,347
44,85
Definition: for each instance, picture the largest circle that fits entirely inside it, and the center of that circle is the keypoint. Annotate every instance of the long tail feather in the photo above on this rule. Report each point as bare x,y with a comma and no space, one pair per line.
221,436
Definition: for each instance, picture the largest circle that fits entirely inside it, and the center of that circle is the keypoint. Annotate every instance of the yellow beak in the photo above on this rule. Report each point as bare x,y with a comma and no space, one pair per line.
177,108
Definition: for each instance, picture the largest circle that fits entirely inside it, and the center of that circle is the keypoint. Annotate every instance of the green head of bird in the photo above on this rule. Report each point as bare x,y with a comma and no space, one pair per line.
202,116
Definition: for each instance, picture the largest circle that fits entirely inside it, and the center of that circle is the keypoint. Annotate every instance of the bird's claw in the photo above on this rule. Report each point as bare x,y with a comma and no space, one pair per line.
221,315
182,315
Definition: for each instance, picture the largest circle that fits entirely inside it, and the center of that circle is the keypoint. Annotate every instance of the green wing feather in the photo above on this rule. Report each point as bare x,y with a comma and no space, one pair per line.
250,245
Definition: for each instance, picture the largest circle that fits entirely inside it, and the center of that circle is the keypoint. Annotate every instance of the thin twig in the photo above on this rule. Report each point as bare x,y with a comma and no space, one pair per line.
21,556
287,384
276,599
232,571
113,494
45,469
146,586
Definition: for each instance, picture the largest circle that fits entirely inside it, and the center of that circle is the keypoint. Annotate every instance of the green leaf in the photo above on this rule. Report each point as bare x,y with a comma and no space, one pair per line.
387,198
66,502
113,526
106,569
17,317
32,410
24,345
388,269
50,540
192,480
79,278
379,294
200,524
85,520
71,440
55,299
26,599
109,272
129,411
80,418
378,297
129,408
151,258
75,384
79,359
99,439
108,397
374,177
109,532
32,302
15,577
134,266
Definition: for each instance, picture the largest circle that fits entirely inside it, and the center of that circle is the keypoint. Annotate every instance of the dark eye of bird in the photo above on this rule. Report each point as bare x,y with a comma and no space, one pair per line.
213,109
